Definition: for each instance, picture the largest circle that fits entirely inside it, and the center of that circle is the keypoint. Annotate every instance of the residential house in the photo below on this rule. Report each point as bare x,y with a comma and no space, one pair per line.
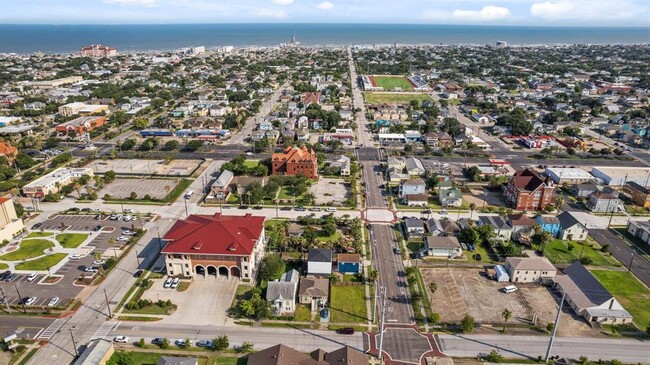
530,269
640,230
343,164
588,298
282,293
450,198
526,190
295,161
285,355
413,227
8,151
570,228
583,190
396,164
240,183
441,246
502,229
604,201
220,188
639,194
522,227
412,187
414,166
549,224
314,291
219,245
295,229
348,263
435,227
417,200
319,261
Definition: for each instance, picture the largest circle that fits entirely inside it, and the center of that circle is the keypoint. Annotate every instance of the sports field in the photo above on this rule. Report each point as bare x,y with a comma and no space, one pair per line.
392,82
386,98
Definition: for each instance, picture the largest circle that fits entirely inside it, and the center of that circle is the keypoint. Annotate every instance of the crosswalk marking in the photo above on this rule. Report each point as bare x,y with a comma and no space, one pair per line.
105,329
52,329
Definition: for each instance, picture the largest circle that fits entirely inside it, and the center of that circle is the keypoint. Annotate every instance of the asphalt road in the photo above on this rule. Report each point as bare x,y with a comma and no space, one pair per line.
31,326
625,254
373,180
626,350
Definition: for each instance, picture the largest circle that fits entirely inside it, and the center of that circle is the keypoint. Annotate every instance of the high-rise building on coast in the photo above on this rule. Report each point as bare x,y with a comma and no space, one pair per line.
97,50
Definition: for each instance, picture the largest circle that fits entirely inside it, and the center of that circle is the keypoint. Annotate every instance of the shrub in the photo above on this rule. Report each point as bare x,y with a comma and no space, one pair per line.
583,359
221,343
550,327
494,356
245,347
605,248
467,324
434,318
586,260
141,342
165,343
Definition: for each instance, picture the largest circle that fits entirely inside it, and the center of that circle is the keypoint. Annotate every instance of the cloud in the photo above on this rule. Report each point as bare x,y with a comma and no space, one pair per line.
282,2
587,10
147,3
271,13
325,5
488,13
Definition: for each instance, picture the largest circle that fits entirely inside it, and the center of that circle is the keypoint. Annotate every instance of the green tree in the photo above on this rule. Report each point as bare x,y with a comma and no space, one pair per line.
165,343
494,356
109,176
467,324
193,145
434,318
141,123
272,267
220,343
245,347
506,315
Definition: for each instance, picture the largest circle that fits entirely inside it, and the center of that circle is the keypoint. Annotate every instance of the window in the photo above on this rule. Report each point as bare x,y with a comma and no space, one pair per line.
171,273
187,273
245,258
170,264
187,265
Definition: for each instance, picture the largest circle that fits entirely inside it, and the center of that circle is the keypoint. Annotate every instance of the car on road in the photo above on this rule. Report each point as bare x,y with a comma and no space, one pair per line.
122,238
345,331
189,194
32,277
330,209
75,256
37,225
31,300
121,339
397,250
175,283
250,154
300,209
204,343
54,301
285,208
314,209
127,210
443,212
137,274
168,283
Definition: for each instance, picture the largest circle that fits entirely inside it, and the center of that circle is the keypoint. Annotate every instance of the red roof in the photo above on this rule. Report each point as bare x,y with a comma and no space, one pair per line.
526,180
214,235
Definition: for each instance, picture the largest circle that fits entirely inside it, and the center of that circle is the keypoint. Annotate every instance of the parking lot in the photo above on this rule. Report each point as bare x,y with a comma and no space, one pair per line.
147,167
71,270
328,190
206,301
155,188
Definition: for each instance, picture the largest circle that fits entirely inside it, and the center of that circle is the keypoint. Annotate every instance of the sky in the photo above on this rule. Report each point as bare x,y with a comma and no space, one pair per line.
476,12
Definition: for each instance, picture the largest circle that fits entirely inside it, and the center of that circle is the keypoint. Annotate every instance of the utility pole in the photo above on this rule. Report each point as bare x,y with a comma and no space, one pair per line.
137,257
20,298
557,320
74,344
629,267
107,306
185,201
4,297
382,325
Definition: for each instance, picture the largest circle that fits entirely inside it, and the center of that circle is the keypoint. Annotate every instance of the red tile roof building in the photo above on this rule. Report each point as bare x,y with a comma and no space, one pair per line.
527,190
295,161
216,245
97,50
8,151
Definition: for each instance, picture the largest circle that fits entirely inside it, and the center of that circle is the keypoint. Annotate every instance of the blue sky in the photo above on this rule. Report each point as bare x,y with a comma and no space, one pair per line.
489,12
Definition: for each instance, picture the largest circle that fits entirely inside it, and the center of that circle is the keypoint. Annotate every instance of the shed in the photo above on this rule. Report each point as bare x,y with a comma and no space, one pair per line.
501,274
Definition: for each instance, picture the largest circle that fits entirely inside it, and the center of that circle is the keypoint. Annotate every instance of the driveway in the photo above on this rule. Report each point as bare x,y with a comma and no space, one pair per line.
205,302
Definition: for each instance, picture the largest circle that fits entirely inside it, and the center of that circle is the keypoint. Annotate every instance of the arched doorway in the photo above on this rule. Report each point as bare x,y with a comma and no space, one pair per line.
223,271
199,270
212,270
235,272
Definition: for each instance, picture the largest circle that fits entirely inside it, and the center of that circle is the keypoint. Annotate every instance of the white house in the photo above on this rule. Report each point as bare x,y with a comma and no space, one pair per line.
530,269
414,166
319,261
282,293
571,229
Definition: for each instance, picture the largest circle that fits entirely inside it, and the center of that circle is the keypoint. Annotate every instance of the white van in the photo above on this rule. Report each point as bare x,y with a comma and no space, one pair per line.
509,289
189,194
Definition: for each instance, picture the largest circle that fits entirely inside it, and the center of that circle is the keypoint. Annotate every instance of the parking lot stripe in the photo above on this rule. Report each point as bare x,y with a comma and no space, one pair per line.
51,329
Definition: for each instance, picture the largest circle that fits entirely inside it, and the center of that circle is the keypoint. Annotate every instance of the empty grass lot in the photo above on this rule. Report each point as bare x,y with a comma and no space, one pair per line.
558,252
150,358
348,304
630,292
251,163
28,249
381,98
43,263
392,82
321,236
71,240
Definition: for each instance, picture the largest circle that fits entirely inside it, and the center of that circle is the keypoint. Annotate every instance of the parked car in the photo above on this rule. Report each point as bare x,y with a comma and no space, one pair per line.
137,274
345,331
157,341
122,238
99,262
509,289
300,209
204,343
397,250
53,302
168,283
443,212
175,283
127,210
183,343
10,277
330,209
31,300
32,277
314,209
97,228
127,232
75,256
91,269
285,208
121,339
37,225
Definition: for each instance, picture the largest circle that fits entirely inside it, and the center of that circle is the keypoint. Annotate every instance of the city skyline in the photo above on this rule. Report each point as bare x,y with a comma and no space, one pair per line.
598,13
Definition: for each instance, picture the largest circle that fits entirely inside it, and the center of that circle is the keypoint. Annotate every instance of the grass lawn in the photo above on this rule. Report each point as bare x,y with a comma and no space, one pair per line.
150,358
272,224
631,293
286,193
303,314
320,235
377,98
348,304
390,83
152,309
3,266
39,234
43,263
414,245
28,249
251,163
71,240
557,251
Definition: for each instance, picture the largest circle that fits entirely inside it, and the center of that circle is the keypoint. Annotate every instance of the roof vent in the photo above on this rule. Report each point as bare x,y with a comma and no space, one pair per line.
197,245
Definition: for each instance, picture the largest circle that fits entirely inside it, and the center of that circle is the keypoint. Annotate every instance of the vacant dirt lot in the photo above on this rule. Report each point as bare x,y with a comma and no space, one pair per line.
147,167
329,190
155,188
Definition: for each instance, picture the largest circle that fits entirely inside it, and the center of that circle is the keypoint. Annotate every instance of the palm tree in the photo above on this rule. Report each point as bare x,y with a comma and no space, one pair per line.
373,275
472,207
506,314
559,202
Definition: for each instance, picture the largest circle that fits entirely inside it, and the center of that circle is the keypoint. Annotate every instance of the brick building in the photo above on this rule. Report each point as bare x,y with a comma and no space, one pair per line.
527,190
639,194
295,161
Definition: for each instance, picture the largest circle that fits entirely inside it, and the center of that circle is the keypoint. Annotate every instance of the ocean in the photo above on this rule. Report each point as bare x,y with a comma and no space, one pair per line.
70,38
